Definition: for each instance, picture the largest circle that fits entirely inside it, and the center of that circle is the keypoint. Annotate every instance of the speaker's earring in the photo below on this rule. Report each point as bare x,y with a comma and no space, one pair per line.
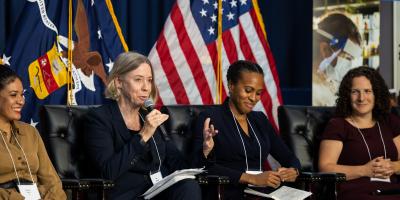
119,88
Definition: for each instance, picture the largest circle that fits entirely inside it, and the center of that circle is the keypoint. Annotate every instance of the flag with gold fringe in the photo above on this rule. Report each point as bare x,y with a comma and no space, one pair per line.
38,51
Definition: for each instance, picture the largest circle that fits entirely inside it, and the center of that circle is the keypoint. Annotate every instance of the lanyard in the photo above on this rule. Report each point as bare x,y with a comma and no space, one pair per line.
15,169
159,167
244,147
384,147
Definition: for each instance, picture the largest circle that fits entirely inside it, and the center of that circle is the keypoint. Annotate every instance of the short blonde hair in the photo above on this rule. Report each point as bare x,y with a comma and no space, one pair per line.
125,63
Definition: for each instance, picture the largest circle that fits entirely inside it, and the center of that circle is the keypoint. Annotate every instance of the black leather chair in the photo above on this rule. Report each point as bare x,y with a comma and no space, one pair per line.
180,127
298,126
62,133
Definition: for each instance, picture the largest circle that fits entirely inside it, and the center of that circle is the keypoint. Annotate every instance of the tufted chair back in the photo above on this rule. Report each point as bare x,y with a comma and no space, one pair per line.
62,133
298,126
181,122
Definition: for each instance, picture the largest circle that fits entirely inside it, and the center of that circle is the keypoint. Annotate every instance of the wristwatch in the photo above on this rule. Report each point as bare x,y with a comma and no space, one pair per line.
297,171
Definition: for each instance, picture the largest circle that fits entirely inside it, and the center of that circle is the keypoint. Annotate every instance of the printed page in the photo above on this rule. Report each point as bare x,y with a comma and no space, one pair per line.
257,193
288,193
184,172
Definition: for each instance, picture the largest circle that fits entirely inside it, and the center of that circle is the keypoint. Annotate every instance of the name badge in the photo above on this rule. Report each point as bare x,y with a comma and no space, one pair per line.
30,191
155,177
254,172
380,179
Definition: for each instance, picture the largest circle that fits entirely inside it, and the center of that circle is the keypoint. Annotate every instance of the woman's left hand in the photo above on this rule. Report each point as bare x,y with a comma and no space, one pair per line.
287,174
208,133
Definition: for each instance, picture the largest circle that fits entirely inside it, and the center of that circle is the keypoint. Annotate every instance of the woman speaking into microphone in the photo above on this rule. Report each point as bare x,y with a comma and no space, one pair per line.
122,140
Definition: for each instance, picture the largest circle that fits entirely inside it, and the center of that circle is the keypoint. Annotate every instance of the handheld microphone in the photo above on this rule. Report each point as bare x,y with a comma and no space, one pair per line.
149,105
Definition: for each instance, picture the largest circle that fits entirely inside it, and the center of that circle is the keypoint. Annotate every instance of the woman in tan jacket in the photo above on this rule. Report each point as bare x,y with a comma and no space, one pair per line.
24,159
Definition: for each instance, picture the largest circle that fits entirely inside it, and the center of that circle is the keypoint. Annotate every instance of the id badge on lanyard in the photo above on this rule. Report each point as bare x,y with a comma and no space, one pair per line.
29,191
155,176
254,172
380,179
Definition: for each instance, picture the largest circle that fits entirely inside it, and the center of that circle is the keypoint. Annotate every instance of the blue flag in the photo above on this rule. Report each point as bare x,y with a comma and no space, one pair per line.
38,51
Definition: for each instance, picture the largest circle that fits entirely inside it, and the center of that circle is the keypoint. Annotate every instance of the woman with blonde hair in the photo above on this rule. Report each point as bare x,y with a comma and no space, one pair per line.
122,140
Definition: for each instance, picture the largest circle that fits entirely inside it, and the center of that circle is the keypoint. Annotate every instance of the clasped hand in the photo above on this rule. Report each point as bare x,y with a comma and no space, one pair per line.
380,168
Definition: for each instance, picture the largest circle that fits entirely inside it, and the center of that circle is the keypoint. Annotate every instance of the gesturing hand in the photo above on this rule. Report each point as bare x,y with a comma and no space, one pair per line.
208,133
288,175
154,119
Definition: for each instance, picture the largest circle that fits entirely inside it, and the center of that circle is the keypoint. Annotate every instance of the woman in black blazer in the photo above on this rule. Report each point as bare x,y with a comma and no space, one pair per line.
122,140
246,137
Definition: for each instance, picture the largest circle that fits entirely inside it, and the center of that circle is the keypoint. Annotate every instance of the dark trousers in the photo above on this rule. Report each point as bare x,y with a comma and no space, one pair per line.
184,189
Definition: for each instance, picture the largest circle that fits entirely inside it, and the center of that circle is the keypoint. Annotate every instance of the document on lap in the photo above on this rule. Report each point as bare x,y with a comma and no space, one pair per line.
283,193
170,180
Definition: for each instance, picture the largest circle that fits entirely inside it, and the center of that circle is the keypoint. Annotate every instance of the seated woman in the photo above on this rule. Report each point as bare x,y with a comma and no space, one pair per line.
363,140
245,137
23,157
122,140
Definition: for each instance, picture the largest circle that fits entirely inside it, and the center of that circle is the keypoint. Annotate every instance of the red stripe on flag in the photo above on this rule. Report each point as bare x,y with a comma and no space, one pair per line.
268,52
47,75
191,55
249,56
212,50
170,71
229,46
159,102
245,46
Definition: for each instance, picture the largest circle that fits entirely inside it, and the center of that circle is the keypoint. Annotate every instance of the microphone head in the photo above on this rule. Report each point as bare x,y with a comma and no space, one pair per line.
148,102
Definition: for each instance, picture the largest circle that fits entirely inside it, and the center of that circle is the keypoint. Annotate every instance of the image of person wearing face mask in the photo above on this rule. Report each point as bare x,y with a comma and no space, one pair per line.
336,49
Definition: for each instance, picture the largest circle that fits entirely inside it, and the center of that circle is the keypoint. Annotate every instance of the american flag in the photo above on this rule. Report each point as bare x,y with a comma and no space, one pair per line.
185,55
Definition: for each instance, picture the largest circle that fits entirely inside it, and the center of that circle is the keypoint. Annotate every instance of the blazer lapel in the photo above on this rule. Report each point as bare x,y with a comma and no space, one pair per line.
119,122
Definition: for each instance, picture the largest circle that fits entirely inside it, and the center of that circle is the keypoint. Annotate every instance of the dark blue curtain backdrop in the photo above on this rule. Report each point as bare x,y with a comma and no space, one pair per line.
288,25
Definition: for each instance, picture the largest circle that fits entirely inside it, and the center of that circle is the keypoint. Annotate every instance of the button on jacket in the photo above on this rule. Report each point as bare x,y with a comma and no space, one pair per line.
43,172
119,156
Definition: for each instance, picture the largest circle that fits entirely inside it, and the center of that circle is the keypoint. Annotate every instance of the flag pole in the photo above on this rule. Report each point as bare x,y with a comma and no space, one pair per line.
219,67
69,94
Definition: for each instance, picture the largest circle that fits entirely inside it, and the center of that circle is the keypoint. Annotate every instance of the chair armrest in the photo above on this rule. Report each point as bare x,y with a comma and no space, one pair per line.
97,183
321,177
74,184
213,180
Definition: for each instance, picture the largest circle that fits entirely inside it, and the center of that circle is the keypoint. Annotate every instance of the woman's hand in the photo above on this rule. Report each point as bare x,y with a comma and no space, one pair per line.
384,168
208,133
288,175
268,178
375,169
154,119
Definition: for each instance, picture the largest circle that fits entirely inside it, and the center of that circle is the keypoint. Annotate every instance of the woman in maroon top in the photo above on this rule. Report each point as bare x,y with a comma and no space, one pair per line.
362,142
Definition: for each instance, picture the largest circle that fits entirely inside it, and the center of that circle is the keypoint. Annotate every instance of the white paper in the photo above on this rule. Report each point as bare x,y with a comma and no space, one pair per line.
283,193
30,192
380,179
184,172
167,185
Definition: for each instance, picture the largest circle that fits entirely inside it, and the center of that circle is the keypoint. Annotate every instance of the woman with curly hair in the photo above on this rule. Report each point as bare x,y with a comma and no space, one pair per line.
362,141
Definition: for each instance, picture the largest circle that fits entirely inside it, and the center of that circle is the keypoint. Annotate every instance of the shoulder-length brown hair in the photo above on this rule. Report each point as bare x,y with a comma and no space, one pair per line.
379,88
